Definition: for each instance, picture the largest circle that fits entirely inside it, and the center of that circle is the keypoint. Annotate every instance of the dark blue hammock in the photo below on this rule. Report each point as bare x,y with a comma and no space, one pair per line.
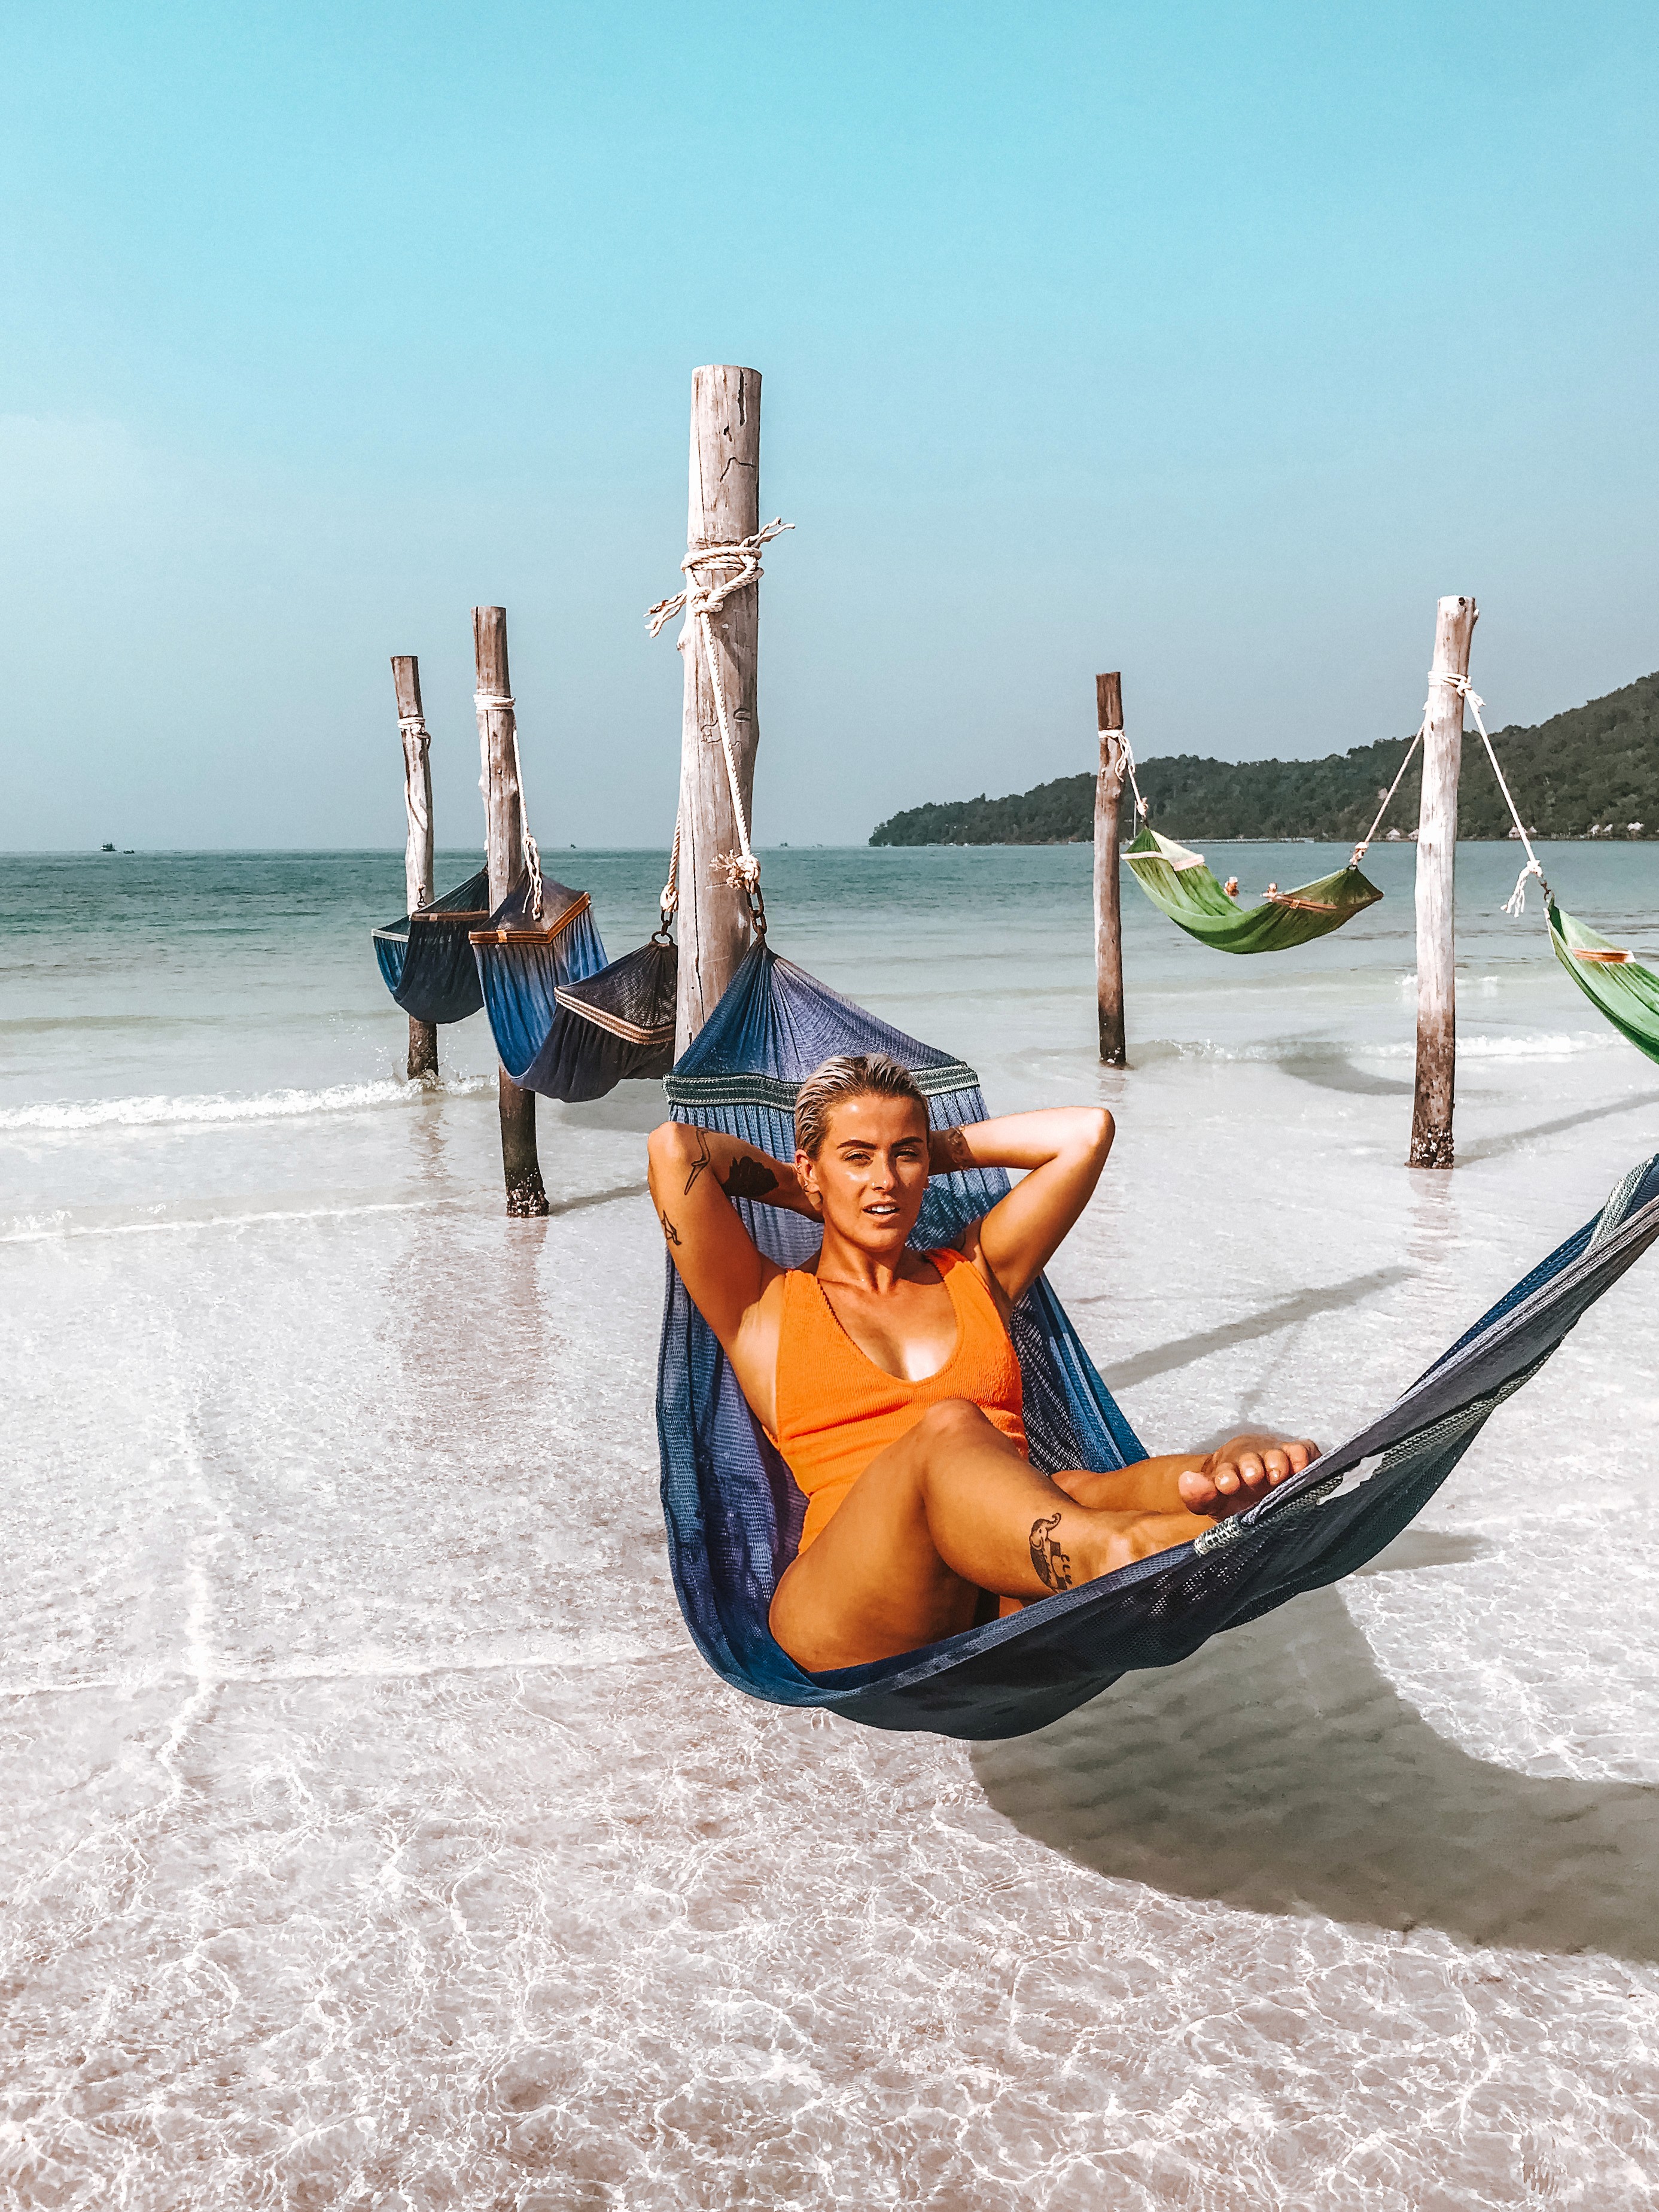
426,957
734,1515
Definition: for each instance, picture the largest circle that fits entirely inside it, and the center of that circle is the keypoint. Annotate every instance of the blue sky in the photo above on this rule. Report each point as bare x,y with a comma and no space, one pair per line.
1211,341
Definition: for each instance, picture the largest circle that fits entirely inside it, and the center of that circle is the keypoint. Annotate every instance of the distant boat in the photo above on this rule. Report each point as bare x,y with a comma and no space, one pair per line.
107,849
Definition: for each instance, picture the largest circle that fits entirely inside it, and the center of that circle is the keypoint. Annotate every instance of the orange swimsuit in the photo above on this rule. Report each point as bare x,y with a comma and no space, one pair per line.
837,1409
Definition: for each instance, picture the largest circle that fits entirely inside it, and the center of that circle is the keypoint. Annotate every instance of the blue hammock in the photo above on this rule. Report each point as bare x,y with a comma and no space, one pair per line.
522,962
566,1023
425,959
734,1515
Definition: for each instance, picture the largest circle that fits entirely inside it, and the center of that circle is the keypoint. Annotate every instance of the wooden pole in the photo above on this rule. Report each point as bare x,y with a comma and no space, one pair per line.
504,838
1109,914
417,851
724,507
1437,893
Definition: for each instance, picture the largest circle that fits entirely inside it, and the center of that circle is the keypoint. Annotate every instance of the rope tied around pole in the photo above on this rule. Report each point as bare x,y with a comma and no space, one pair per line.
417,745
699,602
1141,808
1515,905
500,702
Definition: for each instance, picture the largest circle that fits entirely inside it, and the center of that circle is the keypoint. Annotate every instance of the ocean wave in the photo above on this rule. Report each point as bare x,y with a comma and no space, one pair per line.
1559,1046
75,1114
1268,1051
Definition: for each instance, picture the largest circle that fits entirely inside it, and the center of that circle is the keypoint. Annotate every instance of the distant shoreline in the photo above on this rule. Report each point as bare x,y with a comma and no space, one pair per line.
1588,775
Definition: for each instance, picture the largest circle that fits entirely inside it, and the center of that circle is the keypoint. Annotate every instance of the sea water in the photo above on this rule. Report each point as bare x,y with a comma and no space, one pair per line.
371,1834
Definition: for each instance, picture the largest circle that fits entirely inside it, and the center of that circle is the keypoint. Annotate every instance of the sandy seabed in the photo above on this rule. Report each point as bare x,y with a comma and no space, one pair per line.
372,1836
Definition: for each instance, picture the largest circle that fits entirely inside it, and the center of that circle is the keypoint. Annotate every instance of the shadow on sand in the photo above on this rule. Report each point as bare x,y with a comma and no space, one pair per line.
1488,1148
1279,1770
1333,1070
1300,1306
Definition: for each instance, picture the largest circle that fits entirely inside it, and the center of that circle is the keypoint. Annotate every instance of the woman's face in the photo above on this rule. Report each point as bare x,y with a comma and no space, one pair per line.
871,1174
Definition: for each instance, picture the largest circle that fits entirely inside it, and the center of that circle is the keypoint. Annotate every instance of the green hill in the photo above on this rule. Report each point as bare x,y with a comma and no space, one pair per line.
1592,768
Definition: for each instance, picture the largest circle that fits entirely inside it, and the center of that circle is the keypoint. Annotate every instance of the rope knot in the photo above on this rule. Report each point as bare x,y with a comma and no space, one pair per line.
1516,904
1461,685
698,601
741,870
1141,808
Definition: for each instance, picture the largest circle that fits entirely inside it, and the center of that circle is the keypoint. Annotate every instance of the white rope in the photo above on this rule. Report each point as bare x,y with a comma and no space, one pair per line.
699,602
670,889
414,732
1516,904
1141,808
1361,848
488,702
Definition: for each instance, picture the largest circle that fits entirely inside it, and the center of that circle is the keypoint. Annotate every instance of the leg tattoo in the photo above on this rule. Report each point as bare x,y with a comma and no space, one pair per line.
1053,1564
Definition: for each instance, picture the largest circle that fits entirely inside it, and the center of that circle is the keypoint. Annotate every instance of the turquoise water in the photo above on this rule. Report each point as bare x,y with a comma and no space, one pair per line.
371,1835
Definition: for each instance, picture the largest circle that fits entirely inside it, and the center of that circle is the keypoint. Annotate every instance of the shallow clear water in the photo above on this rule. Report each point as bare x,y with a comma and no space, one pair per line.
372,1836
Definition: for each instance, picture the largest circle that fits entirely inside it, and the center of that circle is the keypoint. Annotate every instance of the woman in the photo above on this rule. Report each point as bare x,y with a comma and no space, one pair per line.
887,1377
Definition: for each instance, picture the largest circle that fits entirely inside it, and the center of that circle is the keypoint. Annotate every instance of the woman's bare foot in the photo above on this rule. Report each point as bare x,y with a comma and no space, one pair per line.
1242,1470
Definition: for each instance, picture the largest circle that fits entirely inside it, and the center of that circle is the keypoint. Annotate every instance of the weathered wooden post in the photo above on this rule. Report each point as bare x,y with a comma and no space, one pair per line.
505,842
417,851
1109,914
724,507
1436,889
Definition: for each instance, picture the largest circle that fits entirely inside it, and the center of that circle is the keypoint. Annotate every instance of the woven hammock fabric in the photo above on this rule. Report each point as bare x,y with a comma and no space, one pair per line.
734,1515
522,962
426,959
616,1026
1180,886
1615,984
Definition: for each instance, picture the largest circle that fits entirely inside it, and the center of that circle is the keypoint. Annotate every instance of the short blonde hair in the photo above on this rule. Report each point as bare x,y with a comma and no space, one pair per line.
848,1075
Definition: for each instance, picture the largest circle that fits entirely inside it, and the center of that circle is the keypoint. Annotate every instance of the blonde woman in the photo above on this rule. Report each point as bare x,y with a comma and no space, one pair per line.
887,1380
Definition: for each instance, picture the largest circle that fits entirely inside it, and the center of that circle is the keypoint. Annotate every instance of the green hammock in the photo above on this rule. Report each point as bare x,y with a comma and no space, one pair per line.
1615,983
1179,884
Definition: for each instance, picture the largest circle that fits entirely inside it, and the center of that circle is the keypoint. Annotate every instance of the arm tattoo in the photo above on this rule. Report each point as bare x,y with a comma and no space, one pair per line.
748,1178
699,1164
1053,1565
669,1230
951,1148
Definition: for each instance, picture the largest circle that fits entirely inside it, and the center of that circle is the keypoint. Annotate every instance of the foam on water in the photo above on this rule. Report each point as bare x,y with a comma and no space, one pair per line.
68,1115
372,1837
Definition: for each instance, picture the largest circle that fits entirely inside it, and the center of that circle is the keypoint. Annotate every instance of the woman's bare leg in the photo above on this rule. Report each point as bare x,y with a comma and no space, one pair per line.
949,1510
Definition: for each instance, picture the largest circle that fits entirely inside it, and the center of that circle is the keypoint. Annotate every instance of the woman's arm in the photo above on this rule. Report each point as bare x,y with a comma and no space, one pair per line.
695,1176
1064,1148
